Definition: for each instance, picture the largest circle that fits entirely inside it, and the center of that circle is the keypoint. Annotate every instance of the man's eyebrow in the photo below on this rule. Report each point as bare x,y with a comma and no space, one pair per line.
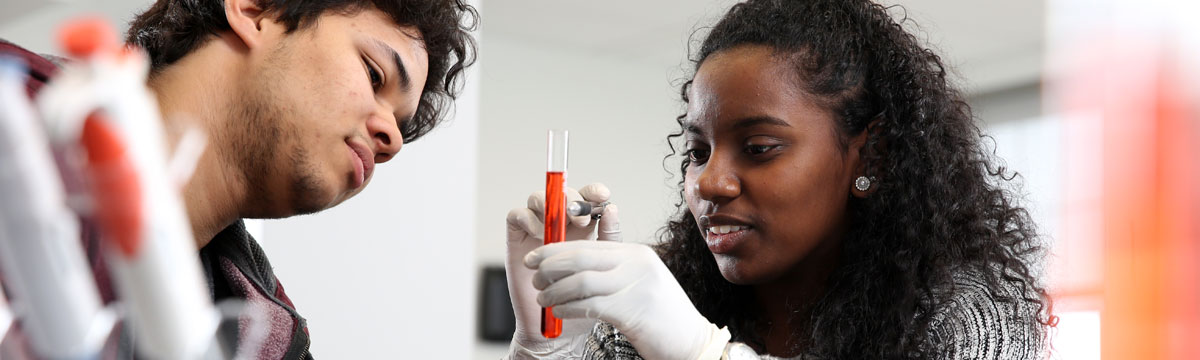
405,81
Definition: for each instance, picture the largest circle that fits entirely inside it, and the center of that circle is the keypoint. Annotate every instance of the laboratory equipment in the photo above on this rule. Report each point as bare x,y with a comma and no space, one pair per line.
555,217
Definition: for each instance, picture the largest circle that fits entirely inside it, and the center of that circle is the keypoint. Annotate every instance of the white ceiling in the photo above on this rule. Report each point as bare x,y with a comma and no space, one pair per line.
993,44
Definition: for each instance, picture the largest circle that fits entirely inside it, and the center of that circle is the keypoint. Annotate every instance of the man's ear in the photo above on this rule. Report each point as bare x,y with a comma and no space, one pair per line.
246,19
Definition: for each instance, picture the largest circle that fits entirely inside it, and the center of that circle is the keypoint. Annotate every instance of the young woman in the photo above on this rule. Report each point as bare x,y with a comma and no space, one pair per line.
837,204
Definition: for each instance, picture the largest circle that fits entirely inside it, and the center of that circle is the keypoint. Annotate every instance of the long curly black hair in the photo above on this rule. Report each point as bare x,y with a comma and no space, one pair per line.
941,204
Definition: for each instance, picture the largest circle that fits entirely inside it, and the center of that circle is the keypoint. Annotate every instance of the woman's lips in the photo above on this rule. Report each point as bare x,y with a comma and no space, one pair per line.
724,232
725,239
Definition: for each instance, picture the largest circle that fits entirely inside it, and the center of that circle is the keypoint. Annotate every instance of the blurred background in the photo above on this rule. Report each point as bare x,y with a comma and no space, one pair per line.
433,219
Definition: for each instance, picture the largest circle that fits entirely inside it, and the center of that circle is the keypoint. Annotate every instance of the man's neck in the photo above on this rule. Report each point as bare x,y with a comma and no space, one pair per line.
194,93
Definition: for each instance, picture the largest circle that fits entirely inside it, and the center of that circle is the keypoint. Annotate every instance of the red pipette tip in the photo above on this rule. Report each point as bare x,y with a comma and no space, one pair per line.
115,185
86,36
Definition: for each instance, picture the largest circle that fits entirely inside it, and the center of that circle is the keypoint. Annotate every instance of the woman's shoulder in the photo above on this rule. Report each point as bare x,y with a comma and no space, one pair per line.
979,319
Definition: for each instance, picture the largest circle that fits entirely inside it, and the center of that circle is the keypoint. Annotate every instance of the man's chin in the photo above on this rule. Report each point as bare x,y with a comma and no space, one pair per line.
306,205
310,195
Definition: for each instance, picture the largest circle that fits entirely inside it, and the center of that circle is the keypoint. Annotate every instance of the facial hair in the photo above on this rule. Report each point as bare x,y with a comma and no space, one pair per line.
265,144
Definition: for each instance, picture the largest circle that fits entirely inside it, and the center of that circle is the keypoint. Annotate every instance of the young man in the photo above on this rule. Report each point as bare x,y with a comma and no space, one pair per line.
300,100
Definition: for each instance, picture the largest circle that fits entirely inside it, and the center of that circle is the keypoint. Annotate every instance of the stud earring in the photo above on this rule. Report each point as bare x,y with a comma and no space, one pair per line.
862,183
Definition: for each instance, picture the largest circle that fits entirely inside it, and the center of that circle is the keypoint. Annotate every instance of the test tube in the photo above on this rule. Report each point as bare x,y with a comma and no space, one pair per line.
556,219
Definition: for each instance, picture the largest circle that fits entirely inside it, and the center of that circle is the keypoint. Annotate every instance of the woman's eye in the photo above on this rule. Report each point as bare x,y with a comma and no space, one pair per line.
374,75
697,156
759,149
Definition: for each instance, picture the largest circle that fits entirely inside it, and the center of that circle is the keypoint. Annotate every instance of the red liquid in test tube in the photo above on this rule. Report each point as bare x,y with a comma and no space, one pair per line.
556,219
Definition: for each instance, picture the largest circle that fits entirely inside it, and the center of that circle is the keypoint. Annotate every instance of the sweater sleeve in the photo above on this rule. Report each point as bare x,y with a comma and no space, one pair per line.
979,322
607,343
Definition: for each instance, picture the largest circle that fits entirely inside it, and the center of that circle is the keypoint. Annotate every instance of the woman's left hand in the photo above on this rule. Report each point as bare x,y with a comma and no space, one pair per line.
628,286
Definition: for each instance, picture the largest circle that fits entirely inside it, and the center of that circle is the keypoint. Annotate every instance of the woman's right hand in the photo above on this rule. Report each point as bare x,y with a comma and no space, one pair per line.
525,233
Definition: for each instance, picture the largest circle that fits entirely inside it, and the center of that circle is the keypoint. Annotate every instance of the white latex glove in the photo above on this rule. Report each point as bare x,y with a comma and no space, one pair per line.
525,233
628,286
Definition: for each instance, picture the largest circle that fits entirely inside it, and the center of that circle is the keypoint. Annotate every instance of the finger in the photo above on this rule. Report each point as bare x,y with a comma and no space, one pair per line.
534,259
524,220
573,328
580,286
610,224
579,221
572,262
596,307
595,192
536,203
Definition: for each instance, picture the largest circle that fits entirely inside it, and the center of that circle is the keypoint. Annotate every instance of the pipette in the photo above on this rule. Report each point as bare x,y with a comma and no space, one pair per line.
54,294
102,102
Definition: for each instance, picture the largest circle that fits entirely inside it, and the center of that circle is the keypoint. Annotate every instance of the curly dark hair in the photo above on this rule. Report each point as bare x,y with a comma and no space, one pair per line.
941,204
170,29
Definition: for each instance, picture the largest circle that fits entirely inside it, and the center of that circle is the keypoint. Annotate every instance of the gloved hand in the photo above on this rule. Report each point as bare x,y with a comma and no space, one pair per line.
628,286
525,233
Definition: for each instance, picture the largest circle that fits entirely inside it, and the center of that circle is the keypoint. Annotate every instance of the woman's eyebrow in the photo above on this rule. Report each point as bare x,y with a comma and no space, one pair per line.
753,121
690,127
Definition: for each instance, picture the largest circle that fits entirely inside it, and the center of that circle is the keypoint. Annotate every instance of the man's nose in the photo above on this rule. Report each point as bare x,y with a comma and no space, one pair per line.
385,136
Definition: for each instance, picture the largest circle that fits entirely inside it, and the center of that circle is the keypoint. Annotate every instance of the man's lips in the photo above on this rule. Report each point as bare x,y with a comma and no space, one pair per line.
363,162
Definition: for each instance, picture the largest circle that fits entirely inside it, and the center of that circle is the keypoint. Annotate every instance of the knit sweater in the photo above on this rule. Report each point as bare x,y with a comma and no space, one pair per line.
973,324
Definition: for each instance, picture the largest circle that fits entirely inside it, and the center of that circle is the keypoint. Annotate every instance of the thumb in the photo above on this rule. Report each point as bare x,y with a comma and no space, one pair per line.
610,224
523,222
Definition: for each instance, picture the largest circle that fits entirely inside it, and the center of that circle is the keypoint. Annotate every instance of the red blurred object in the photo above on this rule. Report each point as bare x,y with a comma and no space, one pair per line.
86,36
114,184
1132,84
1151,287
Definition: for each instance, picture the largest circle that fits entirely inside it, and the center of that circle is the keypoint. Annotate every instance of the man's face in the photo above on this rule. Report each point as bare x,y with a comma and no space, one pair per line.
320,107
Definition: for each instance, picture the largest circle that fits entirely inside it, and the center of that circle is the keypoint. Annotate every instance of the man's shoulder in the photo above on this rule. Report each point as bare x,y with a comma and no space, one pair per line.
40,68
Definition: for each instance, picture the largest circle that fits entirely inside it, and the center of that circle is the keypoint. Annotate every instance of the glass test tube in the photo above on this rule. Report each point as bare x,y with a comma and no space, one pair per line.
556,201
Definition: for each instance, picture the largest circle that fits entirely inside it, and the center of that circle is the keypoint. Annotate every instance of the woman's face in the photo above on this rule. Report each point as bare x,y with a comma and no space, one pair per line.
769,179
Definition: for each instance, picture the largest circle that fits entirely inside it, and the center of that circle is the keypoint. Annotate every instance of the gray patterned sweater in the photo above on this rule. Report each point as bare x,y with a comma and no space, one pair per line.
973,324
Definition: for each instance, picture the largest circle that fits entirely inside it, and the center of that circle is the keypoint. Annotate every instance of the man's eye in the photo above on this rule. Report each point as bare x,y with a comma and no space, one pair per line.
373,75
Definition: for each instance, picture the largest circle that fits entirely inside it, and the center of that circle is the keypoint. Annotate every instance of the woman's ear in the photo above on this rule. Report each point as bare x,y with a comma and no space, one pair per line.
862,181
246,19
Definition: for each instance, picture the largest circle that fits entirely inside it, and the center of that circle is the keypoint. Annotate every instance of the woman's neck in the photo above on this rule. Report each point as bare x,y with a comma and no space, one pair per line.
786,304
